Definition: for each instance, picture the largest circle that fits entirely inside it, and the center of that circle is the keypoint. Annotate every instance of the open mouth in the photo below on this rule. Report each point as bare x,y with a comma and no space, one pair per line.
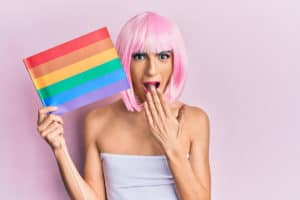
149,83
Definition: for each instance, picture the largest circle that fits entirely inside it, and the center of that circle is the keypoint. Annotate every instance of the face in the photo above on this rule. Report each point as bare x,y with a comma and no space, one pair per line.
148,68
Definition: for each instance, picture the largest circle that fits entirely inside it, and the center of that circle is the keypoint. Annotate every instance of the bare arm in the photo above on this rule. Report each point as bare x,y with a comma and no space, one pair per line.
196,171
51,129
93,172
77,187
166,128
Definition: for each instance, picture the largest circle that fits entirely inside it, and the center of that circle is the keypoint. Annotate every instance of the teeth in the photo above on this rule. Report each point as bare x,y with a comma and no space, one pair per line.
155,84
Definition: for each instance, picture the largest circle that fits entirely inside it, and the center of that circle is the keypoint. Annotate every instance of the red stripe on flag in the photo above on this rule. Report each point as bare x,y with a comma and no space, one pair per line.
66,47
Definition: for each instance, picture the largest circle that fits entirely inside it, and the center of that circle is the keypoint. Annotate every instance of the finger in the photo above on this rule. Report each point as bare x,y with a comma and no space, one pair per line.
49,129
148,114
57,118
45,124
55,133
150,121
48,120
164,104
157,104
154,114
43,112
152,108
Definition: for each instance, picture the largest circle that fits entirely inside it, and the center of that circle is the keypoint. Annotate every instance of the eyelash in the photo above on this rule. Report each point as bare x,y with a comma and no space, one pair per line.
134,56
166,56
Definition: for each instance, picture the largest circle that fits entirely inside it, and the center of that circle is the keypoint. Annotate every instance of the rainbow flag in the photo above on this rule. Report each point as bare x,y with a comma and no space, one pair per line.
77,72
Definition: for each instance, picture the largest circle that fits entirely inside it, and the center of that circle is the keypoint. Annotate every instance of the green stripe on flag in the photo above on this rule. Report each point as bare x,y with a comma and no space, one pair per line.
81,78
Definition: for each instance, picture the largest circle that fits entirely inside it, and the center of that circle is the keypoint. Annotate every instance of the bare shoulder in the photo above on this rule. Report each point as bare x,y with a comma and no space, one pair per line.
94,115
197,120
96,120
196,112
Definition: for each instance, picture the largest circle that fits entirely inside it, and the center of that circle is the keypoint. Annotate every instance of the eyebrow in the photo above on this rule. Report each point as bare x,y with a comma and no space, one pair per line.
145,53
169,51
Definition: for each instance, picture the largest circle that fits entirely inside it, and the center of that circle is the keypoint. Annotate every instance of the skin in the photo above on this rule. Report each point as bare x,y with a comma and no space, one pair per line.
150,66
159,129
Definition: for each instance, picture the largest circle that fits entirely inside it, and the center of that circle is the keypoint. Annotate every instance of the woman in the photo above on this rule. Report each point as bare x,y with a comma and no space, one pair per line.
147,145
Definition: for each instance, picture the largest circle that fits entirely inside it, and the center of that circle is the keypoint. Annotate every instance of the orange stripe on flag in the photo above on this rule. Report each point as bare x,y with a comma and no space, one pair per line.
66,47
71,58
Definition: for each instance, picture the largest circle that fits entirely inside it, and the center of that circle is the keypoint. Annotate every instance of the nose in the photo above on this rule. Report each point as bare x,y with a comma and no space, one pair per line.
152,67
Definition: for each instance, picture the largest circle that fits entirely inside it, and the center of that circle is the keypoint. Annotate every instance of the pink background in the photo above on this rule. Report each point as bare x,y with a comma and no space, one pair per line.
244,61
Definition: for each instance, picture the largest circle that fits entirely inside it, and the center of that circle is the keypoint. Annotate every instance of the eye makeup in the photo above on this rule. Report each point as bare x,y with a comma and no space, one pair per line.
163,55
139,56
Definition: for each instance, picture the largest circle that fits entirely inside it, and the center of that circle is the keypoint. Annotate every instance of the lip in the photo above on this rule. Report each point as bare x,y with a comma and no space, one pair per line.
156,83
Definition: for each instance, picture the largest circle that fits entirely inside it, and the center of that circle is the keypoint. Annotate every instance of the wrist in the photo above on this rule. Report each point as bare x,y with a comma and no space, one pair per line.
175,152
59,148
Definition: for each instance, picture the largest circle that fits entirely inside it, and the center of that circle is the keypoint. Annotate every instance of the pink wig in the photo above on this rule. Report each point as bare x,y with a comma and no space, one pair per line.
150,32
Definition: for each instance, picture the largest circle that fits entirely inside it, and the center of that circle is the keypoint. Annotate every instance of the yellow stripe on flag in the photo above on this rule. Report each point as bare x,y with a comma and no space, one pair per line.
75,68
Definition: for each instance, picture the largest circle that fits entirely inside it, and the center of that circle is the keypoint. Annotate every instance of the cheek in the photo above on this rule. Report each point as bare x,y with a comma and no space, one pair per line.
167,70
136,74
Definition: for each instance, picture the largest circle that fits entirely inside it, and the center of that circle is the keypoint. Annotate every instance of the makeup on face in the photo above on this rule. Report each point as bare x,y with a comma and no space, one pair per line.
163,55
150,69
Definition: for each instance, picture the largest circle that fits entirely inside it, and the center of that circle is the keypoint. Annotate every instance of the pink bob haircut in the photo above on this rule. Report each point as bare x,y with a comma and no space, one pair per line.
150,32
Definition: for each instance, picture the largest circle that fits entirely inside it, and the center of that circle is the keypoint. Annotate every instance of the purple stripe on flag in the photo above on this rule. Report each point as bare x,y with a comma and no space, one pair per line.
92,96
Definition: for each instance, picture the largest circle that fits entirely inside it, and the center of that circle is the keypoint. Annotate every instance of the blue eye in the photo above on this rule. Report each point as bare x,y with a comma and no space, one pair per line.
163,56
138,56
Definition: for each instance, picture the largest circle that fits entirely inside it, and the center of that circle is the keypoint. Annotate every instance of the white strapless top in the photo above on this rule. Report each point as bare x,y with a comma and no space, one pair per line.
137,177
